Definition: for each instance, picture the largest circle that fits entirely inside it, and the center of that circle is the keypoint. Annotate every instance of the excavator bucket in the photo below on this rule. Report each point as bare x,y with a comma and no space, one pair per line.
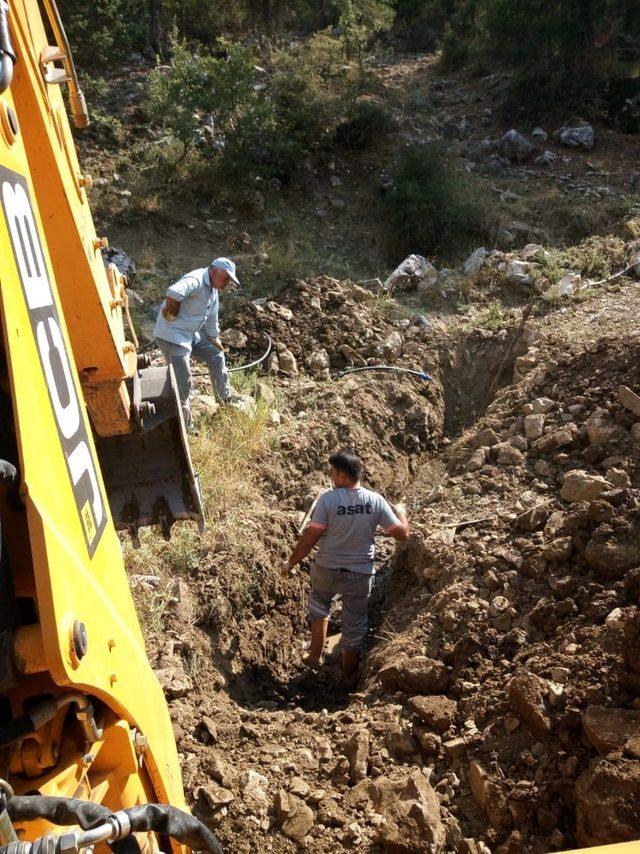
148,473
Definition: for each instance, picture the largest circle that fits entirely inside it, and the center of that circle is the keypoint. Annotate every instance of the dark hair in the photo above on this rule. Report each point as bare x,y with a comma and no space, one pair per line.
347,462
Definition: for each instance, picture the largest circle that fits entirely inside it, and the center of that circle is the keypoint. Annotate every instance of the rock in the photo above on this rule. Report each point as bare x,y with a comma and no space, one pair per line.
539,135
533,426
221,770
294,816
437,712
579,485
413,271
214,796
599,429
356,750
477,460
618,477
393,345
542,405
609,730
533,519
629,399
351,356
174,680
526,697
254,793
565,287
124,263
318,364
287,363
207,731
547,158
415,675
185,606
519,273
515,147
507,455
475,261
399,742
279,310
607,798
204,405
557,438
578,136
234,338
486,437
490,797
612,557
264,392
411,812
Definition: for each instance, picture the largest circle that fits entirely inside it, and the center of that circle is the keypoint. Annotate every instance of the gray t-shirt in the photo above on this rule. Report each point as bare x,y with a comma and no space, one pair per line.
349,518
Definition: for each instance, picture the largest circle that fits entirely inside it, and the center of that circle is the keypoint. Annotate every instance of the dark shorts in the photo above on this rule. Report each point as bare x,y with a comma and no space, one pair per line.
354,588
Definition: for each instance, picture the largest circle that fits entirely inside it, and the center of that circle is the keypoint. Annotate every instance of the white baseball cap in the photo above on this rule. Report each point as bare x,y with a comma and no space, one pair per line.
228,266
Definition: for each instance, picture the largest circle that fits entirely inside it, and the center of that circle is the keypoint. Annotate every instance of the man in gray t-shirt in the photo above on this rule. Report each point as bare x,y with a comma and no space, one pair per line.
344,524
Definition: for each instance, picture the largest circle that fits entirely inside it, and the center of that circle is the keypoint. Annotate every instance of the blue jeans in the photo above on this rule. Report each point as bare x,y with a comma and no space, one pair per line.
202,350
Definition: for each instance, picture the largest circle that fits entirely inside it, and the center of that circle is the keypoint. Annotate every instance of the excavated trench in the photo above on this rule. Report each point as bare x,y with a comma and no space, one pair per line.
470,370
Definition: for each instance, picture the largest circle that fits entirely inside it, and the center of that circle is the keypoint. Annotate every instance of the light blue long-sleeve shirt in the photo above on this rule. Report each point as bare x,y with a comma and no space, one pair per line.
198,307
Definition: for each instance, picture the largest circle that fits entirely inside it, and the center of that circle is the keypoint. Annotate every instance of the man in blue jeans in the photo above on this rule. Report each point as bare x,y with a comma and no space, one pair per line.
343,525
187,326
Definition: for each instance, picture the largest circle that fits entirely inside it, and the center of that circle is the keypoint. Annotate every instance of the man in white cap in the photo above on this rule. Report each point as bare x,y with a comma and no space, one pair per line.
187,326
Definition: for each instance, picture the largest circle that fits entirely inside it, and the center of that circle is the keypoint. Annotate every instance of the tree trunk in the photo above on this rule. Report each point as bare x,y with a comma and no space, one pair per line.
155,26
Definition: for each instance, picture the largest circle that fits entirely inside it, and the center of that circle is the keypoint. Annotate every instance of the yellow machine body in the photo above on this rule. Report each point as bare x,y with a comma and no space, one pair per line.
67,618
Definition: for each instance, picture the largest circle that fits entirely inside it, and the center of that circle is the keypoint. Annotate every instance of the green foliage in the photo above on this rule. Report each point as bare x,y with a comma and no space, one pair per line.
360,21
197,85
368,124
432,207
103,32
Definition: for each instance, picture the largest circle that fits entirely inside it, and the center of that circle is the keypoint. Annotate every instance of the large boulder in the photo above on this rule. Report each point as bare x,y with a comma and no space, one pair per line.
414,271
410,809
576,136
612,730
579,485
608,803
515,147
414,675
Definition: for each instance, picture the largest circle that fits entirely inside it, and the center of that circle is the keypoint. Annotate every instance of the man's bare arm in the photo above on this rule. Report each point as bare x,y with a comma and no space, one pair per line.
307,541
400,532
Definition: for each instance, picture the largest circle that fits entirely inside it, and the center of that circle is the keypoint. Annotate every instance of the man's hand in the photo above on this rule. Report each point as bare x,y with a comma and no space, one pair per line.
170,309
218,343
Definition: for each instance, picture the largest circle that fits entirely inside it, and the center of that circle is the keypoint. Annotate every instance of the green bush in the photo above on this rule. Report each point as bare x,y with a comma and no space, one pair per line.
432,207
368,124
103,32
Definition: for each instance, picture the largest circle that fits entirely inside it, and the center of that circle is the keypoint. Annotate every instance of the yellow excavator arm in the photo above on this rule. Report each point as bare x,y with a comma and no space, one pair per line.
82,715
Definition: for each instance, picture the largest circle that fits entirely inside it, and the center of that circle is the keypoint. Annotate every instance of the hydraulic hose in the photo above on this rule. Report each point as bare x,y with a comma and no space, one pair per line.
392,368
7,53
248,367
76,97
158,818
44,712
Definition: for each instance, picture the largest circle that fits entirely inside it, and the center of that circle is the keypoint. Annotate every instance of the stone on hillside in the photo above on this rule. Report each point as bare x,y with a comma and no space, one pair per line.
356,750
476,460
612,557
185,605
234,338
565,287
599,428
542,405
539,135
279,310
557,438
475,261
294,816
526,697
629,399
533,519
483,438
515,147
411,811
608,803
576,136
287,363
175,682
254,793
547,158
507,455
413,271
264,392
124,263
579,485
318,364
519,273
533,426
610,730
204,404
437,712
414,675
214,796
393,344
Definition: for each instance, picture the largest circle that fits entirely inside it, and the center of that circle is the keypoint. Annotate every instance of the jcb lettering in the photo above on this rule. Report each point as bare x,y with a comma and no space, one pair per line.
56,365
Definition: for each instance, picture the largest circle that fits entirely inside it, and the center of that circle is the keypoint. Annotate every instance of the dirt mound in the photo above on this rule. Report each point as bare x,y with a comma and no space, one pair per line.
533,607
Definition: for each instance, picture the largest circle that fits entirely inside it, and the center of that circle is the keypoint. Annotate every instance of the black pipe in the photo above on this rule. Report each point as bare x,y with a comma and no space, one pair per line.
7,53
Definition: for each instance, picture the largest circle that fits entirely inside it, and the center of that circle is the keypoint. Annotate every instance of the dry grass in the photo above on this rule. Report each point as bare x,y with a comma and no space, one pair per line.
225,451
